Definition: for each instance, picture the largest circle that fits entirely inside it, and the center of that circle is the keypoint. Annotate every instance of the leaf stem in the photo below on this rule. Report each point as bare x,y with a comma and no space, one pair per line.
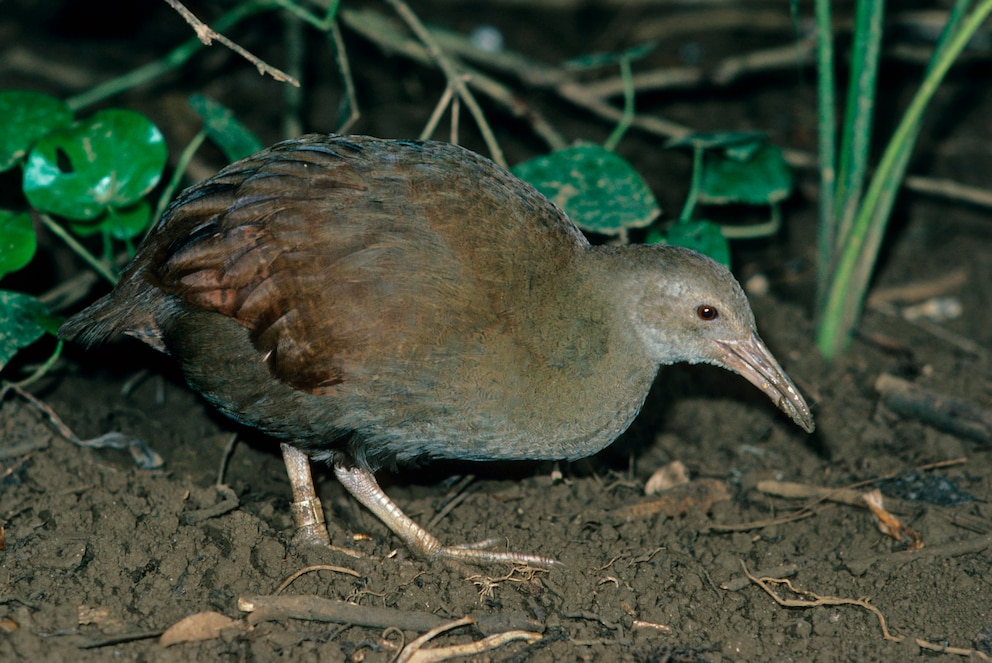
694,187
41,370
177,175
98,266
627,77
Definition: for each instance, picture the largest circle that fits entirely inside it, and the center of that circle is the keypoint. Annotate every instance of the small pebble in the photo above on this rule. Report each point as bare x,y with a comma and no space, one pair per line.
488,38
756,285
937,309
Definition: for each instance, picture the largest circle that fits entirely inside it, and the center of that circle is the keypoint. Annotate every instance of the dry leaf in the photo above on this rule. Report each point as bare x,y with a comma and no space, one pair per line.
889,524
94,615
201,626
668,476
699,494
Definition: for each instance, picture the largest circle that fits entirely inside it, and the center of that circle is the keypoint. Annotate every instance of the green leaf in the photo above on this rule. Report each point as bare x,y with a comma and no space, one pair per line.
598,189
762,179
122,223
128,222
91,227
655,235
17,241
744,151
234,138
23,320
111,159
702,236
24,118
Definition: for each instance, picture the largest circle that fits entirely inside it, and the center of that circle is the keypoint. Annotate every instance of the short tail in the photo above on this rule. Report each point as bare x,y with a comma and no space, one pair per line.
95,324
114,315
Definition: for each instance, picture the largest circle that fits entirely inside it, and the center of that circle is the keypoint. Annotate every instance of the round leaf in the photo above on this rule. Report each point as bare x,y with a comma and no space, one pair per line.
111,159
129,222
763,179
122,223
23,320
702,236
231,136
91,227
24,118
598,189
17,241
654,235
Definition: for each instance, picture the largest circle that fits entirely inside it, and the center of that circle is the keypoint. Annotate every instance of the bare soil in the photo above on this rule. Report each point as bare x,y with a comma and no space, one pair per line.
101,556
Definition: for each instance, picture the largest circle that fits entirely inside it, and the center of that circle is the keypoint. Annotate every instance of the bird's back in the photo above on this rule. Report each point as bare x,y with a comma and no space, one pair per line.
323,245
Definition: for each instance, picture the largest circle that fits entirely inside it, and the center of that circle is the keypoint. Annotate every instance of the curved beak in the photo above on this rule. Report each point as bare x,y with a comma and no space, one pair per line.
754,361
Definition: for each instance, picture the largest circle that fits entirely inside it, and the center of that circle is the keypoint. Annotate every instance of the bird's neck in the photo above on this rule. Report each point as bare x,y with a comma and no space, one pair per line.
595,362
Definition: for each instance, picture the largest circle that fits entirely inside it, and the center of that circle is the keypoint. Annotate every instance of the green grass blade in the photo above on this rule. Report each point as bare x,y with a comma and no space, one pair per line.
857,257
954,19
827,142
857,130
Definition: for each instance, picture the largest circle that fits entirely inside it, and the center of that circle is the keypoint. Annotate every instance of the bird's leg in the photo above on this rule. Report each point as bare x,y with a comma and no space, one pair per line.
363,486
308,514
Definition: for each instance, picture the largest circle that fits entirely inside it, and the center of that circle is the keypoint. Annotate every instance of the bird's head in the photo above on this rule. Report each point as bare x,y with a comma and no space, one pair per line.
691,309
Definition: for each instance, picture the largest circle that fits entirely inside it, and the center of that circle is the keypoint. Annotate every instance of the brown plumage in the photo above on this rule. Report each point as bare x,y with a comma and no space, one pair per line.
375,302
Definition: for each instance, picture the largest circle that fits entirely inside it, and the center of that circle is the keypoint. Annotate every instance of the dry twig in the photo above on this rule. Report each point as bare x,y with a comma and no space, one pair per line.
319,609
415,653
951,415
456,79
143,455
487,585
316,567
207,35
813,600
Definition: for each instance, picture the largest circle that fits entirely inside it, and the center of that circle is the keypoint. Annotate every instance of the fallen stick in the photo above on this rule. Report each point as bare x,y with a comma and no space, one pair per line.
318,609
951,415
850,496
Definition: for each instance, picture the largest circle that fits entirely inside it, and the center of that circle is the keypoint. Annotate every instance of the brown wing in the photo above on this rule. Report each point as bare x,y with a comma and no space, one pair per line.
331,249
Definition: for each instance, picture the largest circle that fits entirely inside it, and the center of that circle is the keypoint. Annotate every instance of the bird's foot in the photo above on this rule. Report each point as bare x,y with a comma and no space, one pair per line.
308,516
364,488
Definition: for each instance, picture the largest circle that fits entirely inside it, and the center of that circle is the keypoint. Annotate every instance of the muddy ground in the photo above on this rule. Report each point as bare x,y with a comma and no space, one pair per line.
100,556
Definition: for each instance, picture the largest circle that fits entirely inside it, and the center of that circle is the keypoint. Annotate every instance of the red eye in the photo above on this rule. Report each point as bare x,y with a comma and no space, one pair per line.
707,313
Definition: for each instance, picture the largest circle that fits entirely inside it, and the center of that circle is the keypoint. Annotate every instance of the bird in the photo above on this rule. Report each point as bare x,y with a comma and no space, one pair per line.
378,303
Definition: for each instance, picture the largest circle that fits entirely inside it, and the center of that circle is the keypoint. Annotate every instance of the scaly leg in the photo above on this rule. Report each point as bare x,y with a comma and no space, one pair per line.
308,515
363,486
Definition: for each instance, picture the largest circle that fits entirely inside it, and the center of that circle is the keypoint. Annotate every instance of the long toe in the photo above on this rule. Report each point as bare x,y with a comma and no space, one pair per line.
478,553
